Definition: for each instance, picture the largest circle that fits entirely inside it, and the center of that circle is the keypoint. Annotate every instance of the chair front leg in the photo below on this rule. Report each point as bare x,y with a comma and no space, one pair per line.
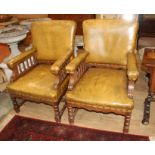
70,115
57,113
127,123
16,106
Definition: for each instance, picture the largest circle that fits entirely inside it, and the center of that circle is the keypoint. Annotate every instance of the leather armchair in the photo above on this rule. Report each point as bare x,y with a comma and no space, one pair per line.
39,74
103,74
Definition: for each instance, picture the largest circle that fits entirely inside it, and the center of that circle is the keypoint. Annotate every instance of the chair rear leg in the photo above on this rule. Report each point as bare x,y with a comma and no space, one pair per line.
16,106
70,115
126,123
57,113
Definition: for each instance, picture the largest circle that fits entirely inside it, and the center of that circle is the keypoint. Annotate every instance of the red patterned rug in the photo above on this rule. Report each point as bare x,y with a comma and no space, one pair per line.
28,129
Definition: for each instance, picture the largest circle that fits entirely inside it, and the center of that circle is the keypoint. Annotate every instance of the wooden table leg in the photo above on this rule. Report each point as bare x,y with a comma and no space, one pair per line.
147,103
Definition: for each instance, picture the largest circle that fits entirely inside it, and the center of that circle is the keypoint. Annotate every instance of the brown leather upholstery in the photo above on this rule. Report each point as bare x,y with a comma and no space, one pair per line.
38,82
109,41
102,87
132,69
20,57
82,55
39,74
102,75
62,34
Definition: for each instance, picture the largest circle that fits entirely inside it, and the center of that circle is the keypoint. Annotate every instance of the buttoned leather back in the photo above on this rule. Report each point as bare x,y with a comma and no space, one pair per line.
53,39
109,41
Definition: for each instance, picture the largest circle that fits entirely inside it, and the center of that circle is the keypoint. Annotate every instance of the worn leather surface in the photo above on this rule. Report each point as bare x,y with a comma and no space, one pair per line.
109,41
20,57
73,65
132,70
102,87
38,82
53,39
57,66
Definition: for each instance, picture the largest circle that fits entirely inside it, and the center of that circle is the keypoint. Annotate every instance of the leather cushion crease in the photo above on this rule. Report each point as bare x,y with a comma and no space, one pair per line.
102,87
38,82
109,41
46,38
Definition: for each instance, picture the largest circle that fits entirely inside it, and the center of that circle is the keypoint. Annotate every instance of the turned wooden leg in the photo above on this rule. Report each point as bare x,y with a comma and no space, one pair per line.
127,123
15,105
146,115
57,113
70,115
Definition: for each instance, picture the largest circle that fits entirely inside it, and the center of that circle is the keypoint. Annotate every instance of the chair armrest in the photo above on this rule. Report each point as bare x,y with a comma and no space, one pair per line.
74,64
20,58
22,63
60,63
132,69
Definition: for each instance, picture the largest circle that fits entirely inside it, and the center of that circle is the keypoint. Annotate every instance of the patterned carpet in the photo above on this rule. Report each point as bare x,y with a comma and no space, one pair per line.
28,129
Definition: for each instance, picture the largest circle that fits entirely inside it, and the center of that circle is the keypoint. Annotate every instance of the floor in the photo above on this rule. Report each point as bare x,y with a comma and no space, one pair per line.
91,119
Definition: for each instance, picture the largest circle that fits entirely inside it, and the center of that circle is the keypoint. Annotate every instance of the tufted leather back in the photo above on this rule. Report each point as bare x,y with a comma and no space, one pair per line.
109,41
53,39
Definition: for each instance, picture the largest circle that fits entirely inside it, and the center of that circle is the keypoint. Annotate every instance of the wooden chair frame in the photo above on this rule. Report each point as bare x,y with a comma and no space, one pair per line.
26,64
74,106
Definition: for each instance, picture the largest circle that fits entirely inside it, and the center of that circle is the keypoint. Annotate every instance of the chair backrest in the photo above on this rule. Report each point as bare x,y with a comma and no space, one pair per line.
53,39
109,41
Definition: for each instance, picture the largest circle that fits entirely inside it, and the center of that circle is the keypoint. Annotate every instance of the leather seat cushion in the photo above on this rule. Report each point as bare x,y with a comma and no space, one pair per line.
102,87
38,83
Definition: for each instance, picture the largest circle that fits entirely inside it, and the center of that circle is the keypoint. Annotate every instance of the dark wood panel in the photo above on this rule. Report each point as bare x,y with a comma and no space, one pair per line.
147,26
79,18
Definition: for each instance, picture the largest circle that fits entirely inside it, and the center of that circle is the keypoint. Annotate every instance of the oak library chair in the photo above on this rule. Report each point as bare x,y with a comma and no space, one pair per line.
103,74
39,74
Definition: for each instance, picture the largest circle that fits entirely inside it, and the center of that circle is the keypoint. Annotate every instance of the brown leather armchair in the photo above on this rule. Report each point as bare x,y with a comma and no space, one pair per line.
39,74
103,74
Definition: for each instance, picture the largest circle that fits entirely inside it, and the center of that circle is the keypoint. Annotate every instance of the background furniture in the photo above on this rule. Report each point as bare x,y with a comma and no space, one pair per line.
11,36
79,18
146,33
102,76
38,74
148,65
147,30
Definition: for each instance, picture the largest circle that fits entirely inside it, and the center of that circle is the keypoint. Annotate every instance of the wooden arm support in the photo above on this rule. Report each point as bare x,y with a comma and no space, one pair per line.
131,86
74,64
60,63
22,63
60,77
75,77
132,70
76,68
58,69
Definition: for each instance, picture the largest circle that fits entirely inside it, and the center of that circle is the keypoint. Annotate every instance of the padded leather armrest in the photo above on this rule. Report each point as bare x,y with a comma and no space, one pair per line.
132,70
57,66
73,65
20,57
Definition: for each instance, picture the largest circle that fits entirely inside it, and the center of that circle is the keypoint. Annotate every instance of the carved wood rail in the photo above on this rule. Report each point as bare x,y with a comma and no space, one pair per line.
60,77
24,66
75,77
